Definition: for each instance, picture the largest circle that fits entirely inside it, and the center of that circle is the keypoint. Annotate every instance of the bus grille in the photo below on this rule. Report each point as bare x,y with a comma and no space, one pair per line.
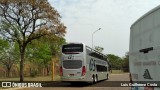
72,64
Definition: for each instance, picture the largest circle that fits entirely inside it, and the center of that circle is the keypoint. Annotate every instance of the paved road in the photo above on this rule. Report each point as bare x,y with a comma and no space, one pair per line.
99,86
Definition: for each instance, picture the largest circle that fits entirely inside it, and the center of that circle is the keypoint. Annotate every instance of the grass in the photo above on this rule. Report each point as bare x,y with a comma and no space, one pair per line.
117,72
38,78
48,78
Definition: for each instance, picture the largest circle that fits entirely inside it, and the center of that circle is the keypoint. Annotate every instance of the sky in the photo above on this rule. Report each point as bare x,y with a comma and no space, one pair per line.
114,17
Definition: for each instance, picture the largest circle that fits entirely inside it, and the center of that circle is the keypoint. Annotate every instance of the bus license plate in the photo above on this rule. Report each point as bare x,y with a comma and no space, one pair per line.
71,74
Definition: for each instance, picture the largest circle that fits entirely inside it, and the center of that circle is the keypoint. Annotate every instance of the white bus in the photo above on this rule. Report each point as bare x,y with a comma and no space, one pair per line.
144,53
82,63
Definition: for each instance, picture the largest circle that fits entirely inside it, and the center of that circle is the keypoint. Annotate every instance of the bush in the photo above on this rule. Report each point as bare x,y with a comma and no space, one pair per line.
125,69
33,73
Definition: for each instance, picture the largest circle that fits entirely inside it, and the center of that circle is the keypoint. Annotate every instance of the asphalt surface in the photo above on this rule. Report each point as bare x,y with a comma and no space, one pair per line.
114,83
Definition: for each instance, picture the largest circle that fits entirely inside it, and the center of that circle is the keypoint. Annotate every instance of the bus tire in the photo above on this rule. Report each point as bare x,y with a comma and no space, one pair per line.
107,77
94,79
73,83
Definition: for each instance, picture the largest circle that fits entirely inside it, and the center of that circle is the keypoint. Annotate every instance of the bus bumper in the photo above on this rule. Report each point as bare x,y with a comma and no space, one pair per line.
73,79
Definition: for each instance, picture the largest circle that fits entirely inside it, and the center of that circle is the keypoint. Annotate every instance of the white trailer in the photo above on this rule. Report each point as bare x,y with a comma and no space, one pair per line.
144,51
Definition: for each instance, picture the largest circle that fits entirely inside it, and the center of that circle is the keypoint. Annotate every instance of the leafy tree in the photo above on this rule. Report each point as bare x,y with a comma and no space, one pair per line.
23,21
42,50
41,53
98,48
116,62
126,63
4,45
9,58
8,55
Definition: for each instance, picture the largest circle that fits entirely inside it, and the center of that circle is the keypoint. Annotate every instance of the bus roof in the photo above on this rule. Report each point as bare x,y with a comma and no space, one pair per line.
73,43
149,12
95,51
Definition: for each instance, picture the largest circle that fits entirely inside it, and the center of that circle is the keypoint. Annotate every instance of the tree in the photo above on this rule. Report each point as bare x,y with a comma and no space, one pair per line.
23,21
40,53
42,50
9,58
126,63
8,55
4,45
98,48
116,62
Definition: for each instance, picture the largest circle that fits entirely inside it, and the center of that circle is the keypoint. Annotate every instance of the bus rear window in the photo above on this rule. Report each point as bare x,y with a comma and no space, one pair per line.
72,48
72,64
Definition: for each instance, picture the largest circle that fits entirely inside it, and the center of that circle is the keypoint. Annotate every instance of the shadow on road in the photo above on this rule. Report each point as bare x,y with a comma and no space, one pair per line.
73,84
65,84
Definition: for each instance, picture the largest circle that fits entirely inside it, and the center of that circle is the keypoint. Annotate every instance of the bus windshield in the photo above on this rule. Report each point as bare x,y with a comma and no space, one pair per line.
72,48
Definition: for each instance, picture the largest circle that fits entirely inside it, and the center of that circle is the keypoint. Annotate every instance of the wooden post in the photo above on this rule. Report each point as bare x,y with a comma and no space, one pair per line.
52,70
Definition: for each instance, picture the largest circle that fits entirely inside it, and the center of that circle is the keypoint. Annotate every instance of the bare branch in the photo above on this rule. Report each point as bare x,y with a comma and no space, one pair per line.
23,19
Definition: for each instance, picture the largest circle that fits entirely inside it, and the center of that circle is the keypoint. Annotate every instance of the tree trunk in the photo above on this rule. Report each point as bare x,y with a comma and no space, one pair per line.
22,53
47,70
30,71
8,72
43,71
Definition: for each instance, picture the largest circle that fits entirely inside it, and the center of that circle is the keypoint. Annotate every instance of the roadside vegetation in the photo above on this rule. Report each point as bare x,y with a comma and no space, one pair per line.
117,64
31,35
37,78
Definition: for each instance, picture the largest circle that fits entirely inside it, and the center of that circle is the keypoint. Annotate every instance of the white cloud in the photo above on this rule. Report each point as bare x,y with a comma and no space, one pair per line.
83,17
